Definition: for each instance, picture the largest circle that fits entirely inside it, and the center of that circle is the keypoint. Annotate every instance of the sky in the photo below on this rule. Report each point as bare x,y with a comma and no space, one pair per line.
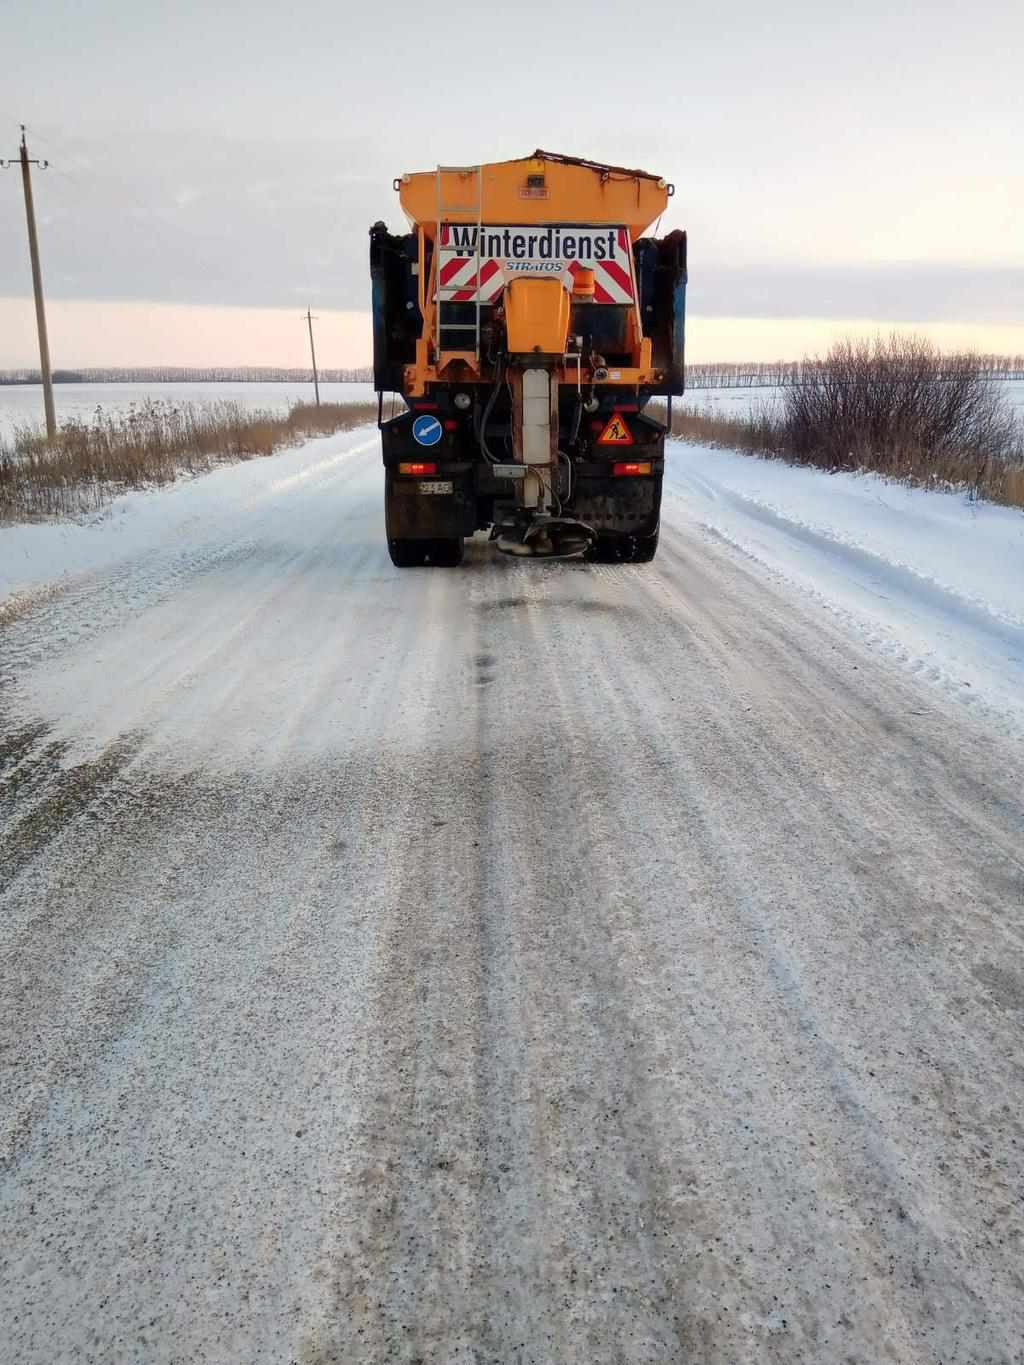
215,169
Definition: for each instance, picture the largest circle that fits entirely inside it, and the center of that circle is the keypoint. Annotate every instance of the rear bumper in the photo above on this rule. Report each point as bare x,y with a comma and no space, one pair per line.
628,505
625,506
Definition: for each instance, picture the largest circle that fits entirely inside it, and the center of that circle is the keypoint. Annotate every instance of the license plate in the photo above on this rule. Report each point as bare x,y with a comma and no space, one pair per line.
438,486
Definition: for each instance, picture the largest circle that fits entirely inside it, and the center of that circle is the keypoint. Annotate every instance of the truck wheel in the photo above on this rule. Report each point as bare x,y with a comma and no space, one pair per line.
644,548
447,554
408,554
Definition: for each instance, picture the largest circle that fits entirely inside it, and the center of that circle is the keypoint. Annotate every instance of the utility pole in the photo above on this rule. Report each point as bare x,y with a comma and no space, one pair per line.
37,283
312,352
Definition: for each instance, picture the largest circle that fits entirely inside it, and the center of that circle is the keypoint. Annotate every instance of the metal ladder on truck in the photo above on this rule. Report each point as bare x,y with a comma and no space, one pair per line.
445,292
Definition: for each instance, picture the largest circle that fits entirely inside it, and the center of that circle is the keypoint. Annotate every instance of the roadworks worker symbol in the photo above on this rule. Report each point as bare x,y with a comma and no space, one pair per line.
616,433
427,430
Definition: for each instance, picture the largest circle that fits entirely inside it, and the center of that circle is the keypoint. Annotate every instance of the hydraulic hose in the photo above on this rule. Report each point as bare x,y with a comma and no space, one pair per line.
488,409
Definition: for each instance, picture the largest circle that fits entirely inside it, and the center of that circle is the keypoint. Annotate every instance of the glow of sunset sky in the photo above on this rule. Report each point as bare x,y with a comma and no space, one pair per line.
216,168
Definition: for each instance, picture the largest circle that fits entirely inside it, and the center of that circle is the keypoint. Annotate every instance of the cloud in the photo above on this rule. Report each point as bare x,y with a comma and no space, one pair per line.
263,222
888,293
190,219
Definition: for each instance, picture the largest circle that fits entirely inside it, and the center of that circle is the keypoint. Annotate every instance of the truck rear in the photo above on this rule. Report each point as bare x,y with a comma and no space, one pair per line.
527,321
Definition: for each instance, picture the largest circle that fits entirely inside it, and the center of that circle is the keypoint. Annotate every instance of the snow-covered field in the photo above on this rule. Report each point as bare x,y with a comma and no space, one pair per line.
23,403
523,962
738,402
932,580
20,404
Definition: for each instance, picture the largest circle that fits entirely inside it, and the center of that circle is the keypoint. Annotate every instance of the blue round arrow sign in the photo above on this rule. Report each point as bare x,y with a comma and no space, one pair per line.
427,430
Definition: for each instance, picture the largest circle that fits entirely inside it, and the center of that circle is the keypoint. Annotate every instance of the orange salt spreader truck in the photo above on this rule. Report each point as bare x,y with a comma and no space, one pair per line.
526,321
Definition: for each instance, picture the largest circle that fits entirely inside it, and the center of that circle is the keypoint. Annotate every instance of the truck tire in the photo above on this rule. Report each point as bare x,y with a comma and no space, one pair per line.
447,554
408,554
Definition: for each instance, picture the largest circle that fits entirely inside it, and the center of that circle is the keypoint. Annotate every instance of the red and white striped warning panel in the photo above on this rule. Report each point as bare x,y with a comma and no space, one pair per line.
506,252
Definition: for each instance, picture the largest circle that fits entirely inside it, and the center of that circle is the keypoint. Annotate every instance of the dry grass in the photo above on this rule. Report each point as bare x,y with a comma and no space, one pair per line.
707,425
151,444
895,407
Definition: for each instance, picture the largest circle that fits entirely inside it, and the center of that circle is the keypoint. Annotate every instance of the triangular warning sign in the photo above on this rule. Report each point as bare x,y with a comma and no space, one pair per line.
616,433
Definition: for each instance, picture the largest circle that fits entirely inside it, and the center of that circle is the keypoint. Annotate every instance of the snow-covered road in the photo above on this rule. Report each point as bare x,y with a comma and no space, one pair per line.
530,964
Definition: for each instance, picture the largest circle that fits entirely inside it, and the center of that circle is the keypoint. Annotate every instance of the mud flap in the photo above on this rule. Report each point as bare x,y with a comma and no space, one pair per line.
428,513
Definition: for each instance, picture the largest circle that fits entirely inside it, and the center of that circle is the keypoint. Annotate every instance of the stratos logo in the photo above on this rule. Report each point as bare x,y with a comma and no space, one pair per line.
528,249
427,430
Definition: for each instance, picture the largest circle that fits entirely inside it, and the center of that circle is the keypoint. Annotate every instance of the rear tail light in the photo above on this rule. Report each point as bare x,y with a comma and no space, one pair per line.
620,470
417,469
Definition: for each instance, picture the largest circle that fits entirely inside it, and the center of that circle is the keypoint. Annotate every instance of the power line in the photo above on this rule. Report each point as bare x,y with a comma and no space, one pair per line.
26,162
